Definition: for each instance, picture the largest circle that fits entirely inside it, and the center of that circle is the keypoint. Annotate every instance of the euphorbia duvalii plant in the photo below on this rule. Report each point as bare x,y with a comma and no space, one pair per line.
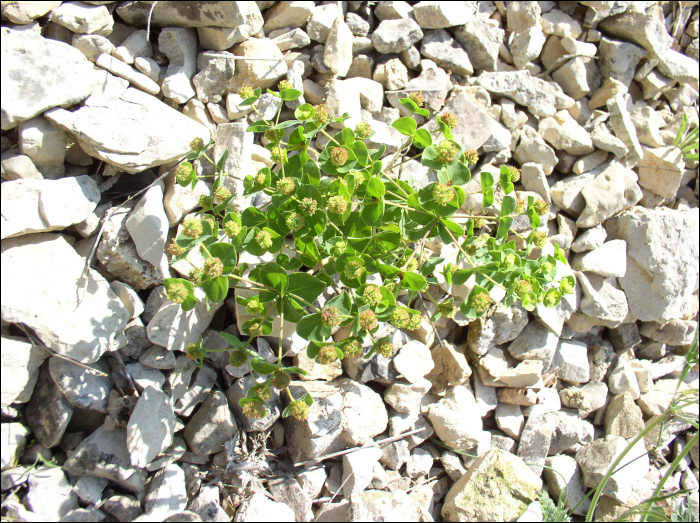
343,215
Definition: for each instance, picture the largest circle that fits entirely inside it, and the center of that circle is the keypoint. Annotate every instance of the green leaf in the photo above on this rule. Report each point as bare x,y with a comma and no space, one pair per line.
312,329
305,286
428,267
289,95
293,310
375,188
486,180
226,253
308,399
413,281
342,302
294,370
488,197
405,125
361,153
258,127
459,173
460,276
504,225
409,104
508,205
235,342
274,276
263,367
252,217
532,215
372,213
426,113
422,139
429,158
216,288
222,161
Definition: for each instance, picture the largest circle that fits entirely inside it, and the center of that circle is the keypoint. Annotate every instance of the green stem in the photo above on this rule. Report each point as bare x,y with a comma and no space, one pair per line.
471,262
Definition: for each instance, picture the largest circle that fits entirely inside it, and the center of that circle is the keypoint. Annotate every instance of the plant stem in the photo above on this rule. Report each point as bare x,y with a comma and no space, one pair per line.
471,262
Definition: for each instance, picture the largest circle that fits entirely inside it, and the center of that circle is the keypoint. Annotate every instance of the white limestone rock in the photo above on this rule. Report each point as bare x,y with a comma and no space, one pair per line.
20,363
614,190
151,427
40,277
133,132
610,259
148,226
662,260
35,206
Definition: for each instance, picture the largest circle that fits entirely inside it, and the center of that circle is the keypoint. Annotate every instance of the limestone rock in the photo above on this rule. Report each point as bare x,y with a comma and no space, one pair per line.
456,419
614,190
288,14
171,14
570,487
80,17
45,145
148,226
38,74
533,149
260,508
322,19
610,259
47,412
166,494
439,15
624,128
257,73
526,45
640,28
82,388
273,408
20,367
564,133
504,325
26,12
394,36
662,266
50,495
473,497
440,47
139,134
602,299
344,414
481,39
39,281
174,328
596,457
338,53
619,60
14,439
623,417
212,80
377,505
211,426
540,97
103,454
661,170
413,361
135,45
151,427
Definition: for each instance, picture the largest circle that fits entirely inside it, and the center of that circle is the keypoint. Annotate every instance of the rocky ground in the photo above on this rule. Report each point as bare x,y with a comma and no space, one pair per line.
105,419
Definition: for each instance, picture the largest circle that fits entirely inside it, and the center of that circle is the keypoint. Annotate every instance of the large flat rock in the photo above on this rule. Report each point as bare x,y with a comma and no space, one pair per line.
38,74
43,288
133,131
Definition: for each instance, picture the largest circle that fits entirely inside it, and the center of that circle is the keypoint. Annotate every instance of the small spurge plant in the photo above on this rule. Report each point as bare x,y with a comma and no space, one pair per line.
338,214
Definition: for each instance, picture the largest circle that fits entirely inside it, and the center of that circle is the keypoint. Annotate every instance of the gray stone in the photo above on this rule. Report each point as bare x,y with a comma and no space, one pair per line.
533,149
413,361
623,417
535,441
590,239
151,427
602,300
638,27
564,133
260,508
207,505
212,80
86,515
14,439
171,14
211,426
613,191
338,53
89,489
535,342
145,376
619,60
26,12
83,388
80,17
289,14
51,289
38,74
357,469
44,144
595,459
358,26
440,47
50,495
293,40
33,206
662,265
518,486
394,36
102,454
322,19
606,141
624,128
20,362
286,489
526,45
456,419
148,226
504,325
540,97
198,391
122,507
675,333
166,494
405,396
122,70
377,505
661,170
439,15
174,328
139,133
257,73
158,357
610,259
344,414
392,74
20,167
569,488
135,45
481,39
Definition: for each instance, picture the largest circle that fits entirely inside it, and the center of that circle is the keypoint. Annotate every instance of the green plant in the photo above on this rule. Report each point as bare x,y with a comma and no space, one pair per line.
553,512
344,215
687,142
